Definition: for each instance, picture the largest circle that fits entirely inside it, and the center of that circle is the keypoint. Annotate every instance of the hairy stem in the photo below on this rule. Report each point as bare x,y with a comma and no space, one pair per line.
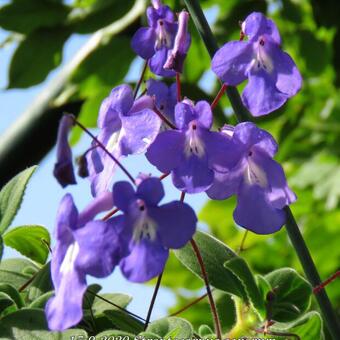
209,293
294,233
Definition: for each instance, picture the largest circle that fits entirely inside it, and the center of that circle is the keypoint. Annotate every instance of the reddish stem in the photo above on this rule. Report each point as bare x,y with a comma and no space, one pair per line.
109,214
183,309
321,286
206,281
164,119
179,90
218,96
161,177
182,196
102,146
140,80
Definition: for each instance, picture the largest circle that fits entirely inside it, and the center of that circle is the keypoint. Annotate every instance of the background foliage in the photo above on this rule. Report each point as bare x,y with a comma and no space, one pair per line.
307,129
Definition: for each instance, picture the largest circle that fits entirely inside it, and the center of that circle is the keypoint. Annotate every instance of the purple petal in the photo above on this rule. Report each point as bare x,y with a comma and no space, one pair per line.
63,169
278,194
123,195
157,12
140,104
231,61
103,202
65,309
289,80
143,42
225,184
204,113
261,96
157,62
99,248
176,222
254,212
119,102
67,217
193,175
138,132
247,135
146,261
256,24
151,191
166,151
185,113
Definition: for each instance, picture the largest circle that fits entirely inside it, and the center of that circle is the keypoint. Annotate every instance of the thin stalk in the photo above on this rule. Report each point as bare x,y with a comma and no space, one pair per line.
164,119
218,96
140,79
317,289
165,175
192,303
179,87
217,323
110,214
102,146
153,299
294,233
243,241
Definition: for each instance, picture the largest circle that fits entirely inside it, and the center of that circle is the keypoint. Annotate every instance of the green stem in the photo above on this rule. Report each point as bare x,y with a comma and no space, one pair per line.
294,233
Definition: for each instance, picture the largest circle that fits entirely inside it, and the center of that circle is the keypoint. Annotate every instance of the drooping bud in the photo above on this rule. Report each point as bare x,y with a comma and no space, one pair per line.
181,45
63,169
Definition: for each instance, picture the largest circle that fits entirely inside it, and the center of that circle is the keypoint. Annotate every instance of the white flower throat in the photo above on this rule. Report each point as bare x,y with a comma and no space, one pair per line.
69,259
144,226
254,174
261,58
163,38
193,143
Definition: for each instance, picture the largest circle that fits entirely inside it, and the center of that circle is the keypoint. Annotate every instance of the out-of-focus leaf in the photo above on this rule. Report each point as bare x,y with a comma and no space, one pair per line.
226,309
99,306
38,54
27,240
41,284
94,15
12,271
31,324
11,197
5,301
40,302
13,293
25,16
115,334
292,295
164,326
124,321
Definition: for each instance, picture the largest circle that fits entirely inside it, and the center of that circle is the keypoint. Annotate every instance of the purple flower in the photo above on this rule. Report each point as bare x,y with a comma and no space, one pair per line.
177,55
63,169
127,127
153,43
192,152
272,74
84,247
166,97
258,181
148,230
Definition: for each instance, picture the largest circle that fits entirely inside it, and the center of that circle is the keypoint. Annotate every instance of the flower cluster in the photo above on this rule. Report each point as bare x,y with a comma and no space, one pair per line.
178,138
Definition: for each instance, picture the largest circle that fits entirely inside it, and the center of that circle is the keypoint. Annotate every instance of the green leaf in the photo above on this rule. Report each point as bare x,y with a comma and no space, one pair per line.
31,324
115,333
11,197
163,327
28,67
41,283
40,302
27,240
148,335
89,294
292,294
5,301
241,269
1,247
214,254
308,327
124,321
13,293
100,306
25,16
12,271
226,309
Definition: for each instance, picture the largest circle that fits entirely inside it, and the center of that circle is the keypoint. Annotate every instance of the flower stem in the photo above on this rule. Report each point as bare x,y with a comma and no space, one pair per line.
318,288
294,233
153,299
192,303
179,88
101,145
164,119
206,281
110,214
135,92
218,96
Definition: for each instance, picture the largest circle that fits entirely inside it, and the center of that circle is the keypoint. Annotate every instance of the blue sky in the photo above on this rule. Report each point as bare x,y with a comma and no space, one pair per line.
43,193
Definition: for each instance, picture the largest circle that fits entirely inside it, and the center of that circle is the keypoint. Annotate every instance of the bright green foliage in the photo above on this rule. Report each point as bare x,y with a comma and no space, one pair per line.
11,197
29,241
172,326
